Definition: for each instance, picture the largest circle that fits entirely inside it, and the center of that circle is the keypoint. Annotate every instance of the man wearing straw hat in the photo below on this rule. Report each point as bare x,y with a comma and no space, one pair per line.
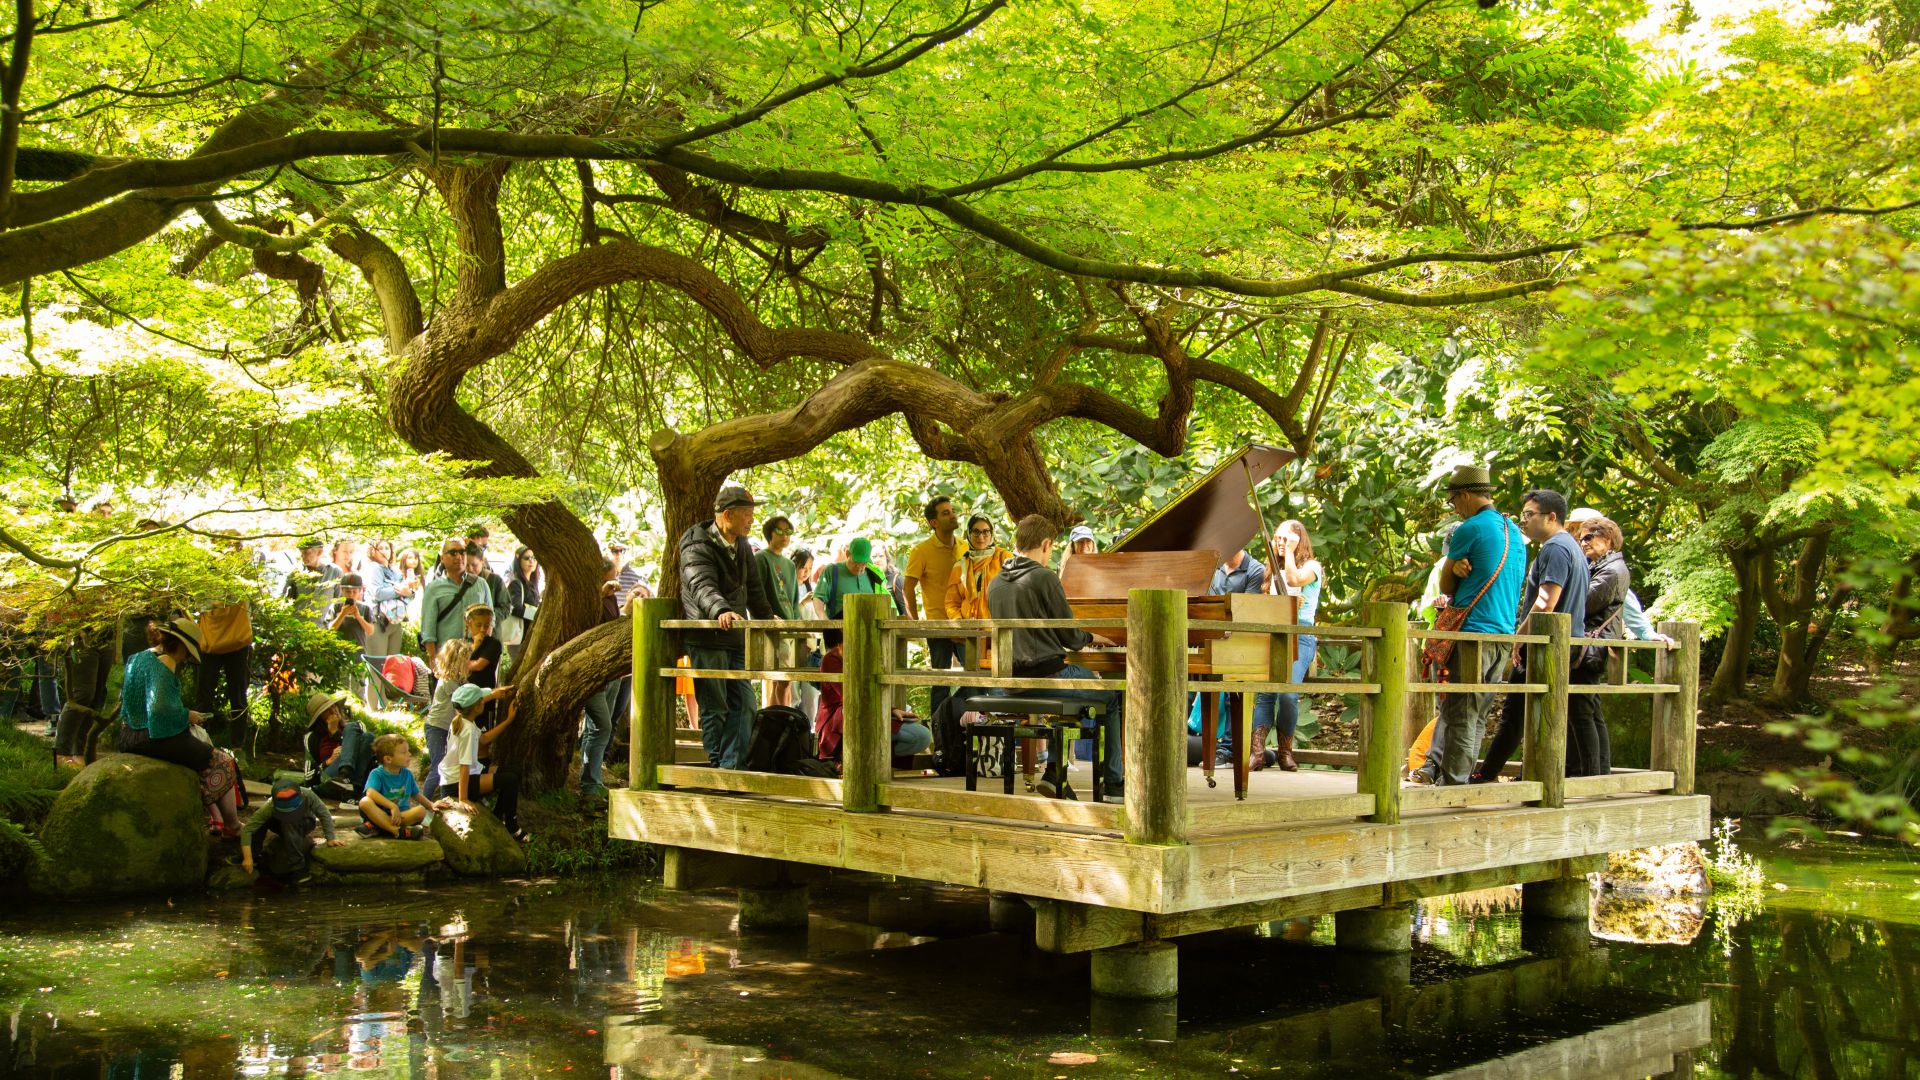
1486,562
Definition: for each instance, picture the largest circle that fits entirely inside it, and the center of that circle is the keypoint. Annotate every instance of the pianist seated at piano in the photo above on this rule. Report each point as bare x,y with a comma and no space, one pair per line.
1027,588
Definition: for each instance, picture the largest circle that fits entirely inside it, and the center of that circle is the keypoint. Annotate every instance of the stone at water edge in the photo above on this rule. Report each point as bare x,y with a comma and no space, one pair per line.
124,826
378,856
1667,870
477,845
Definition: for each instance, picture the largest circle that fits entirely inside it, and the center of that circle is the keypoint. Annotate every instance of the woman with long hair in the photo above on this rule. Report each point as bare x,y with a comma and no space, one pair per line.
978,566
1300,574
523,593
155,721
413,572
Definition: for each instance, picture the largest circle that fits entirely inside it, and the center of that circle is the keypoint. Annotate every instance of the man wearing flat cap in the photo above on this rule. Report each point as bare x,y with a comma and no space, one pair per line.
1486,562
719,580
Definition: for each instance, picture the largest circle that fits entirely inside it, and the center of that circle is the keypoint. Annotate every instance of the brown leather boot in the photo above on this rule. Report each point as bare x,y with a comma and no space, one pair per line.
1257,753
1287,764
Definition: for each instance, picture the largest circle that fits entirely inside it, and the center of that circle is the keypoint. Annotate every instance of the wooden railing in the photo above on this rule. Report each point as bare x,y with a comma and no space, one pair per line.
1392,697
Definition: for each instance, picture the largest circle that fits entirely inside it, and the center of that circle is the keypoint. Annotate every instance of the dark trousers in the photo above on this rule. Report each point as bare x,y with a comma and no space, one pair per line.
229,668
288,856
180,748
1589,748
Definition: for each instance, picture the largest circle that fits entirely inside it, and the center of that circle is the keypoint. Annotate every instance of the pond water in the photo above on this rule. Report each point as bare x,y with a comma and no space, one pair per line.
617,978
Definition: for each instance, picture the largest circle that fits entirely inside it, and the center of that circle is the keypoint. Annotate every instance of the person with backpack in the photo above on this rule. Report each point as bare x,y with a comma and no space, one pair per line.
857,575
719,581
910,736
443,606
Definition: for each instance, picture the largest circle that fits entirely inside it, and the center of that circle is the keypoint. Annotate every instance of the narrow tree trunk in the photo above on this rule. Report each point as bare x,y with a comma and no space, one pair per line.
1730,678
1793,611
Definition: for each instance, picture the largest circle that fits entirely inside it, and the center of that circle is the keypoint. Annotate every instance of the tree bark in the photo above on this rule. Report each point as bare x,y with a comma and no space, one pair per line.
1730,678
1793,612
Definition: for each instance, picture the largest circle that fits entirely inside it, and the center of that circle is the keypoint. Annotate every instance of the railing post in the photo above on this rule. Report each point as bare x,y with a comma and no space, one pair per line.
1675,715
1383,724
651,733
1546,759
1155,742
866,738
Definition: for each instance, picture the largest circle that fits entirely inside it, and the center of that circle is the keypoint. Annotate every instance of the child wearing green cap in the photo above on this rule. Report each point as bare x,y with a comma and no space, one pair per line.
291,814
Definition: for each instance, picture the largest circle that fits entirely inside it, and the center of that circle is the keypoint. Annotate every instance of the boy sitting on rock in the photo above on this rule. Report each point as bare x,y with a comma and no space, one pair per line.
391,803
291,815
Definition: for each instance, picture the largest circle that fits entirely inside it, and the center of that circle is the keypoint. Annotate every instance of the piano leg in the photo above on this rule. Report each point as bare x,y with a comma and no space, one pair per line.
1209,734
1242,743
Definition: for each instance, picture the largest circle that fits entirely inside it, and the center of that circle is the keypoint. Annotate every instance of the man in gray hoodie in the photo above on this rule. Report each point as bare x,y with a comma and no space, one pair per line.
1028,589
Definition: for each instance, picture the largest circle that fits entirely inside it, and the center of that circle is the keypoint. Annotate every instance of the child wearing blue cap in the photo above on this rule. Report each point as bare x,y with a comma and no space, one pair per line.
291,814
461,771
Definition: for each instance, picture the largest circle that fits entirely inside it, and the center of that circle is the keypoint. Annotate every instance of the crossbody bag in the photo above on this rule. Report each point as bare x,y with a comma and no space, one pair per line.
1438,652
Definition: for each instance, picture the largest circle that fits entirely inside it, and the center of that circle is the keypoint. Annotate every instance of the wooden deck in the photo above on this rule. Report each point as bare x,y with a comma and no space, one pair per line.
1179,856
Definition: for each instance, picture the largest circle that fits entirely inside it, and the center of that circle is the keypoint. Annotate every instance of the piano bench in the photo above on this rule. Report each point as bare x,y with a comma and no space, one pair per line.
1040,717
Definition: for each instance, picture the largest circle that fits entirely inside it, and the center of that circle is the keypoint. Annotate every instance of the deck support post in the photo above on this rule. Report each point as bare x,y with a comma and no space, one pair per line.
1009,913
1546,754
651,721
1387,929
1383,716
1154,744
1675,715
866,738
1148,971
776,908
1562,899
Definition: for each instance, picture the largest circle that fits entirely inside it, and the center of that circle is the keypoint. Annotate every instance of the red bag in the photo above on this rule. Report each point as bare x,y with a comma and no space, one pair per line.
1438,652
399,671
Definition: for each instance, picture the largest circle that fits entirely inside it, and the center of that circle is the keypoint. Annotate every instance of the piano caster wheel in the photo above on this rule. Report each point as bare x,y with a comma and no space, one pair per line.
1211,782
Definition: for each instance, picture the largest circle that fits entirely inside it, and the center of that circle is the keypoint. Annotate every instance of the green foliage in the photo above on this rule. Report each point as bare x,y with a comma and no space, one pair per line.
570,839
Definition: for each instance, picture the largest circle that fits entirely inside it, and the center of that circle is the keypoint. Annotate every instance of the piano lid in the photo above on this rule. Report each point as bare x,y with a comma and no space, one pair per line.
1215,514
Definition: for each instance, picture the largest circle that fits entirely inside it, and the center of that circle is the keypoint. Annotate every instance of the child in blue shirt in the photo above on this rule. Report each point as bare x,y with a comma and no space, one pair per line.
391,802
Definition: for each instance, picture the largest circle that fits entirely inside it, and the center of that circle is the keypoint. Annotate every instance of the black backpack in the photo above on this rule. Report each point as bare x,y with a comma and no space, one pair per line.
949,737
783,742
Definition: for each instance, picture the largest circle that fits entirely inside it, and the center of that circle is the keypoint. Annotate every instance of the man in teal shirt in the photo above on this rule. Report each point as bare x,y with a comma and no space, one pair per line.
1486,564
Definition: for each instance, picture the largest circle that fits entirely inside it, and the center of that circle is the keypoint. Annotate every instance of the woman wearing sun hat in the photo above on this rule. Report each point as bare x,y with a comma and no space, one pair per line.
155,721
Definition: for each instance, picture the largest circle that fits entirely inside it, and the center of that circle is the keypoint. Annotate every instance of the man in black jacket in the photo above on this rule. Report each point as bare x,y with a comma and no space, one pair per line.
720,580
1027,588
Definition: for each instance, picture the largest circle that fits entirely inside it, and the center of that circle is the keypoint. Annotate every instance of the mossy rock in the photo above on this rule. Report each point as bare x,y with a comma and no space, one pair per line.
126,825
378,856
325,877
229,877
477,845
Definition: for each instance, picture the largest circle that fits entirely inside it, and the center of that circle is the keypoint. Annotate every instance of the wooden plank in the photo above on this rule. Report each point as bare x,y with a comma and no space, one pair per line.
1400,892
792,675
1546,739
1479,688
751,783
1062,927
651,735
866,740
1580,787
1229,869
1239,686
965,678
988,625
1434,798
1238,627
1625,688
1280,811
1154,748
1383,724
785,626
1426,632
1630,1050
993,804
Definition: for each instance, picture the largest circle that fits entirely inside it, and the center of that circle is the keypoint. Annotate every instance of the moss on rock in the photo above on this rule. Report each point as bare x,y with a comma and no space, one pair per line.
126,825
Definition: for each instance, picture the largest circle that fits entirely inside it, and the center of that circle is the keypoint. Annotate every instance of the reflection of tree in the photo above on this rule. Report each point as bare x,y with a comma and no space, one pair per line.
1796,956
1752,1052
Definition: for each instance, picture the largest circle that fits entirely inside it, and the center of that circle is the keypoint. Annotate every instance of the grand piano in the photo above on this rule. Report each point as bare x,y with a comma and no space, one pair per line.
1178,547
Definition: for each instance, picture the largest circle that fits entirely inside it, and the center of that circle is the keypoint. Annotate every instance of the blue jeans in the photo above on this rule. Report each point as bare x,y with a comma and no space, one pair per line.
596,731
726,705
1282,711
356,756
436,749
941,654
1115,775
911,739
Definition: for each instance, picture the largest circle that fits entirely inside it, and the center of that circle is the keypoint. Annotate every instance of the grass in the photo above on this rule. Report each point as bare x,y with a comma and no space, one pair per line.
570,839
1718,758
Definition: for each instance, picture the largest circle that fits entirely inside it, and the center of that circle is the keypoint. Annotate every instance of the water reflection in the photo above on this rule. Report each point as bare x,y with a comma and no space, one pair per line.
893,980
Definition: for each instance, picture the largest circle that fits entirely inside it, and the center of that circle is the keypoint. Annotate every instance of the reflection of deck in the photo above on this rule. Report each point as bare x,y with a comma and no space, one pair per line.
1179,856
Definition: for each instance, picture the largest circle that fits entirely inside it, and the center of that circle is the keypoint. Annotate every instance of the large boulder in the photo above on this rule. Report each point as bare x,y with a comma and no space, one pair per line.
477,845
378,856
126,825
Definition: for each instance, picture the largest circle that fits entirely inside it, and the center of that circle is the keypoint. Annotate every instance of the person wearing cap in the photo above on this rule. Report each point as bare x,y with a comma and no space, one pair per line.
155,721
720,581
291,814
444,604
310,587
856,575
1486,565
461,771
1080,541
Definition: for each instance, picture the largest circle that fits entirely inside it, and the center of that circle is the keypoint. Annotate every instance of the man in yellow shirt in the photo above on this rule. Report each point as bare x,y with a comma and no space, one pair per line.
929,568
